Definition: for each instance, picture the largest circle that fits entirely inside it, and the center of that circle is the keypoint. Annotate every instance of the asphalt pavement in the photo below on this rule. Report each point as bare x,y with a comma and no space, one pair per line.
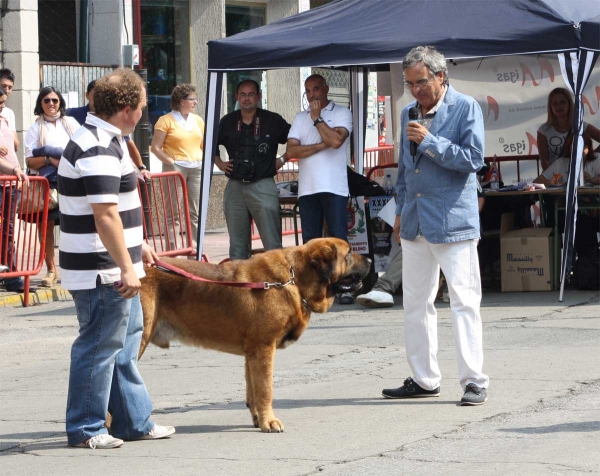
542,416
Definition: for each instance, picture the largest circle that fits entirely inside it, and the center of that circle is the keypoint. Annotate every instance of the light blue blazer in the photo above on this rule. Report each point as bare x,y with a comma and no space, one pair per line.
437,190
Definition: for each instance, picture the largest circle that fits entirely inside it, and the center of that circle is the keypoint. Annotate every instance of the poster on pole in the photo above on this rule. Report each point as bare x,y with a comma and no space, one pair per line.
384,244
357,225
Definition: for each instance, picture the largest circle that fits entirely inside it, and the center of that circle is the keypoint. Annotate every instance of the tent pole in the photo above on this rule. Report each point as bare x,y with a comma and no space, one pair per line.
576,68
358,98
214,93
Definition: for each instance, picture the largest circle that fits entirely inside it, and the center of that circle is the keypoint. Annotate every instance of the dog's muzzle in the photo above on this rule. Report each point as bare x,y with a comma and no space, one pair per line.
348,284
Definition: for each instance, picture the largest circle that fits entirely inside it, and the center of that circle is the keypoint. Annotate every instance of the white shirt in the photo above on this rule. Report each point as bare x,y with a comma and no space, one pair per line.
57,136
324,171
560,166
9,115
593,168
555,140
105,172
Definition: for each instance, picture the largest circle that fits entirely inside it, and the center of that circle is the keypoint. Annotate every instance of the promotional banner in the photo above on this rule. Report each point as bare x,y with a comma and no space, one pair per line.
357,225
384,244
513,94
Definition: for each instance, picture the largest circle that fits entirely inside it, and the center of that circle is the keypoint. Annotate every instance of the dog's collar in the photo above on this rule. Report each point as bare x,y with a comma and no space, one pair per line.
305,302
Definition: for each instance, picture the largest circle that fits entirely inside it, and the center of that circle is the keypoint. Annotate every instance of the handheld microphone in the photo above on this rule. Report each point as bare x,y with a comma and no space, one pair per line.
413,115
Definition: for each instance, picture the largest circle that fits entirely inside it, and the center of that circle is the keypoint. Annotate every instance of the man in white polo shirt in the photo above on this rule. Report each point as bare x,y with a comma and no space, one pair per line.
319,138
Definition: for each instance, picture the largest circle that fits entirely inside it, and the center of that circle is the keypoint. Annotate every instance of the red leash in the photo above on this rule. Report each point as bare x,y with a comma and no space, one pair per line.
169,268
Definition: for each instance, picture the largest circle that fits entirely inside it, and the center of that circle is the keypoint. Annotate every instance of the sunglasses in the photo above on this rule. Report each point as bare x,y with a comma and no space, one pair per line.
51,100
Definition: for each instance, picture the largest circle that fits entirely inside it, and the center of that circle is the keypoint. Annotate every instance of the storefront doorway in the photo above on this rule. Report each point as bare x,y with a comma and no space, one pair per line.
165,51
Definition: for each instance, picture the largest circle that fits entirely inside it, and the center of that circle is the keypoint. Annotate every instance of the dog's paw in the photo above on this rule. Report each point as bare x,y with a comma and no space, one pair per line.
255,420
272,426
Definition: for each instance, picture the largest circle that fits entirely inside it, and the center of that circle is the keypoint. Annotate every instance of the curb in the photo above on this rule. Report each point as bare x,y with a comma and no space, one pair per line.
40,296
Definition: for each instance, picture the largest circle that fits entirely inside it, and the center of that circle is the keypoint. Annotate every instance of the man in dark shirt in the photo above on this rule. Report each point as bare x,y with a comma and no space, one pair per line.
251,136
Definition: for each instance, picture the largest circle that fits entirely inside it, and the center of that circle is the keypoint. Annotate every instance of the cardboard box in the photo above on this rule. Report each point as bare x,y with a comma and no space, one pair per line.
526,257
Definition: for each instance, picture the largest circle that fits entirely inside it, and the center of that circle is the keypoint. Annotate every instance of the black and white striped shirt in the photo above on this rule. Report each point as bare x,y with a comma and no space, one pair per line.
96,168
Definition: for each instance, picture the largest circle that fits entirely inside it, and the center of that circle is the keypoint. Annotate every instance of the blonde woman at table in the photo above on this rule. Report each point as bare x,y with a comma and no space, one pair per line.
44,144
178,142
552,135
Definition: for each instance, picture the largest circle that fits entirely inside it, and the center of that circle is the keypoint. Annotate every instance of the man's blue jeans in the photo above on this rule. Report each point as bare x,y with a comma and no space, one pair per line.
315,207
104,374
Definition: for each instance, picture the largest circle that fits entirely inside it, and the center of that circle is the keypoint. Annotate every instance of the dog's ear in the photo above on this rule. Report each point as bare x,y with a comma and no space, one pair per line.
323,259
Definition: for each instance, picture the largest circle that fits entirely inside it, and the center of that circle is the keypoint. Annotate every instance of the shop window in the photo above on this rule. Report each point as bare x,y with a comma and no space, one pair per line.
57,30
240,18
165,51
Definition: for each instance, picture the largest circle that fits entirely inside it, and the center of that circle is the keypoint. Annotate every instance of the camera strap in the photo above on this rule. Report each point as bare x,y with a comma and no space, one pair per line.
256,133
256,127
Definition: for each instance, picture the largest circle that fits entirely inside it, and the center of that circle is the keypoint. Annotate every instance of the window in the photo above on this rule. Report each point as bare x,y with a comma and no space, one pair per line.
57,29
239,18
165,51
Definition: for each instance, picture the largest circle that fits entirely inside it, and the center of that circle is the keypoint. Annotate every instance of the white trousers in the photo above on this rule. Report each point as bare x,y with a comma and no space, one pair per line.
421,270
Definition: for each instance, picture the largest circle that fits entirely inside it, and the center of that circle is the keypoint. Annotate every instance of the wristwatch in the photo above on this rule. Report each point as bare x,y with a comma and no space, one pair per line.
47,160
282,160
142,167
319,120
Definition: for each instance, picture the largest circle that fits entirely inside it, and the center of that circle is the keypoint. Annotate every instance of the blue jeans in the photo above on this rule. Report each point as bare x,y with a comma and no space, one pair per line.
104,374
331,207
9,196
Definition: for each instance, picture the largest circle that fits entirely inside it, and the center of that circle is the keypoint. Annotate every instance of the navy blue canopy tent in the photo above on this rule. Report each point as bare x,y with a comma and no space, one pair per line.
363,35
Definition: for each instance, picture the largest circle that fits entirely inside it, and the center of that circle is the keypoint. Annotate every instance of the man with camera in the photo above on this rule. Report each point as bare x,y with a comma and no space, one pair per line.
250,136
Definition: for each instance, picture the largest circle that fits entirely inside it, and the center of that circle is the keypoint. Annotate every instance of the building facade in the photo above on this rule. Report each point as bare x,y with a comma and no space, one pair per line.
172,36
67,43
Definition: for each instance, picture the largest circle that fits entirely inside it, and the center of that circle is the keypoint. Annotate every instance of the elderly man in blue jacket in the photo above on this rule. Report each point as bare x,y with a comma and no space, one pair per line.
437,225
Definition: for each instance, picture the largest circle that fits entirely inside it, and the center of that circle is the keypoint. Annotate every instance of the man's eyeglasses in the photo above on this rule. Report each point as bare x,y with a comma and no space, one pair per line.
51,100
420,84
244,95
190,99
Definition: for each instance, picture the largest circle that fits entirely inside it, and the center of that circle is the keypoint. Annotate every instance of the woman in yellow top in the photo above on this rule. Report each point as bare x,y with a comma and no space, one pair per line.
178,142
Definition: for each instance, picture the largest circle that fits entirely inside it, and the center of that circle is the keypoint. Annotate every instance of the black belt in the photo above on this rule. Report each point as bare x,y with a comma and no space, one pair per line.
251,181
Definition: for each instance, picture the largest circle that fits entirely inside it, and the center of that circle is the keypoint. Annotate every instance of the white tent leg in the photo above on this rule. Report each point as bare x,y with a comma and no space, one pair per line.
214,94
358,101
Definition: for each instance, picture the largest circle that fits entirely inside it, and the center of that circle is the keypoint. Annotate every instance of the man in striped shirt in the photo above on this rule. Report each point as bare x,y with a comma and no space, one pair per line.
102,255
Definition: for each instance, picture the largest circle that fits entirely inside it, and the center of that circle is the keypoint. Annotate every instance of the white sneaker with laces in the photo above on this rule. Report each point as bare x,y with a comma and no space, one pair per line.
376,298
100,442
158,432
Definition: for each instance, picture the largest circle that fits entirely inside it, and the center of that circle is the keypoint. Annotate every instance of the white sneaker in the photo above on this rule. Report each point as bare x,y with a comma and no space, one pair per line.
376,298
100,442
158,432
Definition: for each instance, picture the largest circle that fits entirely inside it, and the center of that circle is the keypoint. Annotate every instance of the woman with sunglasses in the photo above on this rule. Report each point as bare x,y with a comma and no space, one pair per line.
178,142
44,144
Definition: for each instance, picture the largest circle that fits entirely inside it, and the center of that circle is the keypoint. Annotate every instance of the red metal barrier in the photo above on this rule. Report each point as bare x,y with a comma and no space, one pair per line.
378,171
518,159
378,156
166,217
21,251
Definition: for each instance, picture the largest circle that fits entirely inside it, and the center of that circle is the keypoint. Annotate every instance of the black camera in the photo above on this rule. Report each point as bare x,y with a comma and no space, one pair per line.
243,169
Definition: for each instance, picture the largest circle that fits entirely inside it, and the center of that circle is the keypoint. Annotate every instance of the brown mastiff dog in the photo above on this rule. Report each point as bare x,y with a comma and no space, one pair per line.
250,322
